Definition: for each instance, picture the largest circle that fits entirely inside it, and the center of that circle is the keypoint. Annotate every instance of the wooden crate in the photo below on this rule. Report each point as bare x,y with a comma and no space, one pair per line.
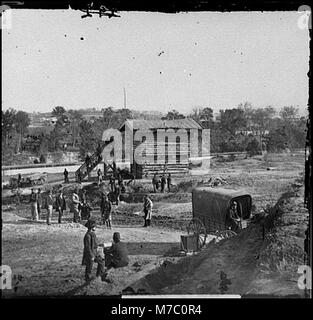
189,243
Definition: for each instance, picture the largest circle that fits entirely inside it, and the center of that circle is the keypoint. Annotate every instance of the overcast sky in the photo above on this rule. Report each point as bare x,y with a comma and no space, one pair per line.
164,61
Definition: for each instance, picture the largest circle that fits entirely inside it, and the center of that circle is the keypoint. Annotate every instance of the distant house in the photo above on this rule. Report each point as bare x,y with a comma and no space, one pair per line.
92,116
167,143
253,132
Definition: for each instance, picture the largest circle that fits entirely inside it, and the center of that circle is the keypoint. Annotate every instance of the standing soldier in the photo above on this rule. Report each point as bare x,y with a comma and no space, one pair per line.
169,181
60,205
163,183
84,208
147,209
117,194
106,211
154,182
34,204
76,204
119,178
90,251
114,167
157,182
39,202
112,183
18,196
99,173
66,176
49,206
19,179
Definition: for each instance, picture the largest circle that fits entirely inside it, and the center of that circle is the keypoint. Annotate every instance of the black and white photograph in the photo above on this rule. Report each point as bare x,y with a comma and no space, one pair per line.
151,152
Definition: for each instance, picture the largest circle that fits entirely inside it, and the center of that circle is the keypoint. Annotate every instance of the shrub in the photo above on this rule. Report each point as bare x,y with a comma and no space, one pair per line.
42,159
253,147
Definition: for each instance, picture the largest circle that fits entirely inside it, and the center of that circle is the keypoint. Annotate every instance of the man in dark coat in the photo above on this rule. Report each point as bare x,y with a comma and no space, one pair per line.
90,251
85,208
34,206
99,174
158,182
119,178
163,183
106,211
169,182
19,179
234,217
39,202
154,182
65,176
117,194
117,255
60,204
112,183
49,206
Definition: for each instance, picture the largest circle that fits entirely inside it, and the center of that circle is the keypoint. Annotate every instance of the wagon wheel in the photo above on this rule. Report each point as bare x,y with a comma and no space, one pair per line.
197,227
225,234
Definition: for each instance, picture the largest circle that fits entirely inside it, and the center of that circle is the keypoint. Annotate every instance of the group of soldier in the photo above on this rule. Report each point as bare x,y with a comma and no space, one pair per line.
80,206
114,257
37,203
78,202
160,182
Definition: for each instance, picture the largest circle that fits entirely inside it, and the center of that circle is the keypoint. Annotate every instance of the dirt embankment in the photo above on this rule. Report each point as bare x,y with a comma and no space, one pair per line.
224,267
261,260
283,249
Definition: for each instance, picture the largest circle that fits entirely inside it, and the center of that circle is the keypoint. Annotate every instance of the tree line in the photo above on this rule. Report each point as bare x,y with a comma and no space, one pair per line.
243,128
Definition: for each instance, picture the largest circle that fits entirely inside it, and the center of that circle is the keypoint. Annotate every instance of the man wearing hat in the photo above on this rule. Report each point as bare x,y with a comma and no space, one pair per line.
49,206
117,255
106,211
34,204
60,204
90,251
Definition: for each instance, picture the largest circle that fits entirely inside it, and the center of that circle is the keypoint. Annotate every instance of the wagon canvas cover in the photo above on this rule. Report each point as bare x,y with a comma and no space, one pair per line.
211,205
